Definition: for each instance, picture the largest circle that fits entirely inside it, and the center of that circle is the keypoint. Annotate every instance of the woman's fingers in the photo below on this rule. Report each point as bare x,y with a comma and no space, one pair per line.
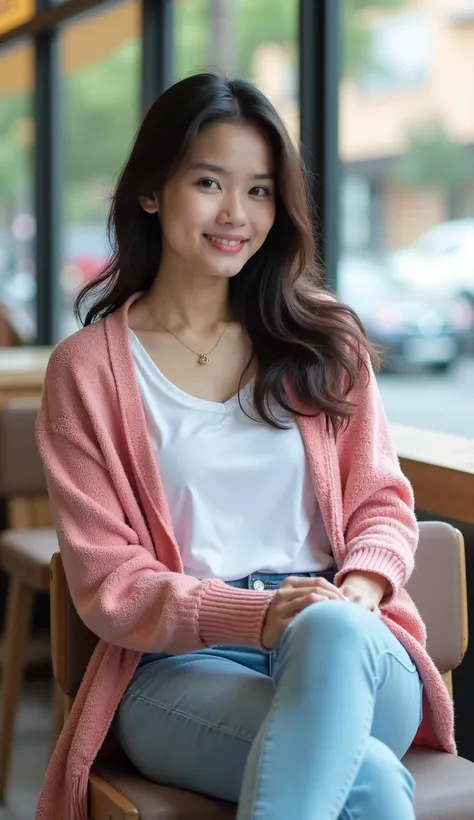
288,601
314,583
296,604
296,592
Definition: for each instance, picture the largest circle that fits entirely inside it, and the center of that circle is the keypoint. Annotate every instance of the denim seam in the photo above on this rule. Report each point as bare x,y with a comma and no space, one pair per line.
357,764
254,802
344,791
413,670
355,768
179,712
345,813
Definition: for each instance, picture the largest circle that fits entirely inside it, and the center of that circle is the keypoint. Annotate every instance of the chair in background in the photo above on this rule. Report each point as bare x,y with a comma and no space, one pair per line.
445,783
26,549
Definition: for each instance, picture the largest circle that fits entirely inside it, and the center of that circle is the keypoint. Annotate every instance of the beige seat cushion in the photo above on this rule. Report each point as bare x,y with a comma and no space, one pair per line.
444,785
160,802
28,553
444,791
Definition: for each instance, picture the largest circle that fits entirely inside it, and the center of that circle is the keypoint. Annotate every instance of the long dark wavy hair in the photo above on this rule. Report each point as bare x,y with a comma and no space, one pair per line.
296,331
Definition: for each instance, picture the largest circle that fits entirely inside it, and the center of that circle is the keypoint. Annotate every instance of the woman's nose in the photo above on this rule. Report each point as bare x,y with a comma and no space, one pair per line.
233,211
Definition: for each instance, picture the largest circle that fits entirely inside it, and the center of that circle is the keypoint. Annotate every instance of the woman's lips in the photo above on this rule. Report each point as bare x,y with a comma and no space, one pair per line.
226,244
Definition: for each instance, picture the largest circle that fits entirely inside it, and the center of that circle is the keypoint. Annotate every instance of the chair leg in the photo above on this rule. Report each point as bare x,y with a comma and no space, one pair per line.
15,640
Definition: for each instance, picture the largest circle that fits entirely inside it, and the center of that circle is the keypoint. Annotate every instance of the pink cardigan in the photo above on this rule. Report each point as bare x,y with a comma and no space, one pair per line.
123,564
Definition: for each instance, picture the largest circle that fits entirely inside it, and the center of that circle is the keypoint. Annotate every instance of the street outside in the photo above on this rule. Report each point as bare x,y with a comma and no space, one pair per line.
438,402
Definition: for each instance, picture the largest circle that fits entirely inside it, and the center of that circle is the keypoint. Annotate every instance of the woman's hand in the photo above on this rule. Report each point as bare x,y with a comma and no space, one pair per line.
294,595
365,588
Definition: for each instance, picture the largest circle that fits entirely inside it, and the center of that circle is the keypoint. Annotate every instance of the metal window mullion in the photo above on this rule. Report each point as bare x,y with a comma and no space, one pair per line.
47,187
320,71
157,49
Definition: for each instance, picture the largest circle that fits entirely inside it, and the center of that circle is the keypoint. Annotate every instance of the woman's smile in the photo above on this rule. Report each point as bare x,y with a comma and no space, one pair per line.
226,243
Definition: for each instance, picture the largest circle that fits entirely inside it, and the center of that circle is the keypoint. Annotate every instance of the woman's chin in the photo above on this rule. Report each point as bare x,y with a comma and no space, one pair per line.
205,265
225,271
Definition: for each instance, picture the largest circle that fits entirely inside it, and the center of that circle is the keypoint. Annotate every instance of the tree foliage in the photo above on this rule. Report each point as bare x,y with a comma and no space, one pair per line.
100,116
100,103
434,159
357,31
15,153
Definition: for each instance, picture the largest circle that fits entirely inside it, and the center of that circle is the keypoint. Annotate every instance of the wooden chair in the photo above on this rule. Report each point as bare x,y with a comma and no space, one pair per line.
25,555
445,783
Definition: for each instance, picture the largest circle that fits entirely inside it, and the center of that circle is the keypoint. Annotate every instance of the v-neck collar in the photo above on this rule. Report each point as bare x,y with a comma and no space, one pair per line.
312,429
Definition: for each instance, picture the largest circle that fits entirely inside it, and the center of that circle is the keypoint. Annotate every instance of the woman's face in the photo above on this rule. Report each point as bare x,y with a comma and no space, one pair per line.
219,207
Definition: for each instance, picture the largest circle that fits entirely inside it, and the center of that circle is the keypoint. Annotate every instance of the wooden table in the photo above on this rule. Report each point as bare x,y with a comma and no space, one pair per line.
22,371
439,466
441,470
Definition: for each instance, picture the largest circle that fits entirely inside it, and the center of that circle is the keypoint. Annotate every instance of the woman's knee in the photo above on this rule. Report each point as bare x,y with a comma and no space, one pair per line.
334,621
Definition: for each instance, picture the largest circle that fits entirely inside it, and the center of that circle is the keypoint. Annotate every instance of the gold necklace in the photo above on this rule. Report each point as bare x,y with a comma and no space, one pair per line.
203,358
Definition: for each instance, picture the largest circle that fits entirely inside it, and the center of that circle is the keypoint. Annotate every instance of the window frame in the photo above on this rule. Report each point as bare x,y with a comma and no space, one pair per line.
320,47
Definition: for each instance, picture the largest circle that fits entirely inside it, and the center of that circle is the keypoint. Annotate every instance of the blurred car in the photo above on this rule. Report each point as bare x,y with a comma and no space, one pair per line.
84,252
441,261
412,332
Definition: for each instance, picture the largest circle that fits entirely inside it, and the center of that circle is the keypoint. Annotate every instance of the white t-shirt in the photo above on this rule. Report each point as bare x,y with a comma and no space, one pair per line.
240,493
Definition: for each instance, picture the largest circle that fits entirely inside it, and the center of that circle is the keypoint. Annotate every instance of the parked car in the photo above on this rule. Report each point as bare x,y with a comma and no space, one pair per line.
84,249
441,261
84,252
412,332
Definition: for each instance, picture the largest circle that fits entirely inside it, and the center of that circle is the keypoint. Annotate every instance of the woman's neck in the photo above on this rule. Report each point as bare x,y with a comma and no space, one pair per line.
179,301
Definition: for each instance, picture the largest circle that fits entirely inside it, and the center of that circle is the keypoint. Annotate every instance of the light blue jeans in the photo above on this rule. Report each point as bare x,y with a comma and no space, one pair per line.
315,731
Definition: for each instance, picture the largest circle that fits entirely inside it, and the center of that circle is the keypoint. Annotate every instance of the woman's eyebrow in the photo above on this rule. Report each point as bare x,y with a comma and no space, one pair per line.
218,169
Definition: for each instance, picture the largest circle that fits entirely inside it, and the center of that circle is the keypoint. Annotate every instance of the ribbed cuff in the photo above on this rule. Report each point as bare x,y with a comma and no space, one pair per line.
228,615
374,559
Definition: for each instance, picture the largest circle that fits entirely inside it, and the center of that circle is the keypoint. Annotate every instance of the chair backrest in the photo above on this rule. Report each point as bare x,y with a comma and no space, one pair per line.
438,587
22,478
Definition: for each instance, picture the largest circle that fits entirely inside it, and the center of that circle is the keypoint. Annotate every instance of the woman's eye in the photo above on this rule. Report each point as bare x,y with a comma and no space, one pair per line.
209,184
259,190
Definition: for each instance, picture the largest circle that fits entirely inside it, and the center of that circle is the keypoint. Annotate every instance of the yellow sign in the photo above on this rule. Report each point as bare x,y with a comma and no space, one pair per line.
14,13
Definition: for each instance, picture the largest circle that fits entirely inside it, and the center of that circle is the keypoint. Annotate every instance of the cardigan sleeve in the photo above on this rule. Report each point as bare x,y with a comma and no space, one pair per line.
380,527
121,591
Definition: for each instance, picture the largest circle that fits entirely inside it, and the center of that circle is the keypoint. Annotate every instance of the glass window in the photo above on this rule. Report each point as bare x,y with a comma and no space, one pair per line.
356,212
255,40
408,170
100,66
389,65
17,220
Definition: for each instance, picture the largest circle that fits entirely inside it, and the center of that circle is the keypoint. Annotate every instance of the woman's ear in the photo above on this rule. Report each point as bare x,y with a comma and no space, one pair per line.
150,204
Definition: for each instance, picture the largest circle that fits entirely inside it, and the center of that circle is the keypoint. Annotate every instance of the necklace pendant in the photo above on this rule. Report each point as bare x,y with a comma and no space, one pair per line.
203,358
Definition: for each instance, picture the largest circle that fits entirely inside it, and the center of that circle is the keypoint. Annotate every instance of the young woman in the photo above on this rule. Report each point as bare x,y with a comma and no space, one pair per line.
232,517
